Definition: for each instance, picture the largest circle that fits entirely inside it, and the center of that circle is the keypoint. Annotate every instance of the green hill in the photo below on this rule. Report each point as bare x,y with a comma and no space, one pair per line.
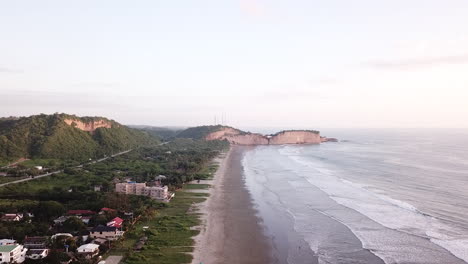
50,136
199,132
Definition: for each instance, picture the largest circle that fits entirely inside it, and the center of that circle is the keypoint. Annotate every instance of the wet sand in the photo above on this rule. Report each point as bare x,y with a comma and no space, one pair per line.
231,231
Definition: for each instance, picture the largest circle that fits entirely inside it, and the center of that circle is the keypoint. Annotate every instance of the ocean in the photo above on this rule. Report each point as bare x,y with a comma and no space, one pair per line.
377,196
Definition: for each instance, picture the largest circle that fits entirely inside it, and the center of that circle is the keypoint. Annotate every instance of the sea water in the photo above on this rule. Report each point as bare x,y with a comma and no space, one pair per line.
392,196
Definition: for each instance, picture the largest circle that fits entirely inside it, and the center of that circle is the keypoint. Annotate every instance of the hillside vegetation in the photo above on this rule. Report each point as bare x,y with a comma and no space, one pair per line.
200,132
48,136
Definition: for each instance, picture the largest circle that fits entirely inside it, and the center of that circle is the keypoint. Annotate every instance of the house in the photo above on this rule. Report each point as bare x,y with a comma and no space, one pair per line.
6,242
3,174
61,220
37,253
107,210
116,222
97,188
85,219
100,241
12,254
12,217
107,232
88,250
80,212
38,167
37,242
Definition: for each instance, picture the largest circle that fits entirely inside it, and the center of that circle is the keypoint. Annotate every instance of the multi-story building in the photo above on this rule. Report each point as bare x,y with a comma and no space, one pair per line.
12,254
155,192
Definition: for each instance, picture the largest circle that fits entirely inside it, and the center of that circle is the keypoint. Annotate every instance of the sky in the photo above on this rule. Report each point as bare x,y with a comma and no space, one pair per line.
295,63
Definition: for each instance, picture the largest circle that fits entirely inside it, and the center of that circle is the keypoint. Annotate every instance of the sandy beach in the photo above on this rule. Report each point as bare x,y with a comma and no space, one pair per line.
231,231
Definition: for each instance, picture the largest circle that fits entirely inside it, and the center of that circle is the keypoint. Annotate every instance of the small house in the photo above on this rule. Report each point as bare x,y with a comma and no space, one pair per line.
107,232
6,242
88,250
116,222
12,217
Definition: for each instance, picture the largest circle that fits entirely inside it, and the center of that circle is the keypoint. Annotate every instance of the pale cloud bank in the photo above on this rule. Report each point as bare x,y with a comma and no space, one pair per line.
419,62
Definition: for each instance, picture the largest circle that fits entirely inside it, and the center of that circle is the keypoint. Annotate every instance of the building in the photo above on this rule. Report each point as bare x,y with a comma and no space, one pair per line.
12,254
155,192
37,253
61,220
131,188
6,242
116,222
12,217
88,250
38,168
37,242
110,233
107,210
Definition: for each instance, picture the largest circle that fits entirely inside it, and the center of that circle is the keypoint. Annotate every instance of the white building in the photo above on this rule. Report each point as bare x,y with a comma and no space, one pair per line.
155,192
12,254
6,242
88,250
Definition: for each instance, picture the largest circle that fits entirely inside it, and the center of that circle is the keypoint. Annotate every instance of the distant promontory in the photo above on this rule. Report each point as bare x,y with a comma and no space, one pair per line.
239,137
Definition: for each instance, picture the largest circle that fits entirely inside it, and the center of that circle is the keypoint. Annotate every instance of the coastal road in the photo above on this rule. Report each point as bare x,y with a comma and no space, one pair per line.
59,171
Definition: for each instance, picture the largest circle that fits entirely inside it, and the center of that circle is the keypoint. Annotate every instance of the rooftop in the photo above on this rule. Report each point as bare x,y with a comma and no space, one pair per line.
88,247
8,248
102,228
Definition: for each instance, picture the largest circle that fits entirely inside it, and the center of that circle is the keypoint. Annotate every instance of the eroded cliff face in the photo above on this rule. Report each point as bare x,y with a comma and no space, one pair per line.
237,137
88,126
223,133
295,137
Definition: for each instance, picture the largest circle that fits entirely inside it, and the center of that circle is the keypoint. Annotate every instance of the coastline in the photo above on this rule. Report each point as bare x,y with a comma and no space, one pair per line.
231,231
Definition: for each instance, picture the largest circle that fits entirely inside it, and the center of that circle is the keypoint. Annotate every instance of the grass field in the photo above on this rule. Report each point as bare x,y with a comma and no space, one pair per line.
170,231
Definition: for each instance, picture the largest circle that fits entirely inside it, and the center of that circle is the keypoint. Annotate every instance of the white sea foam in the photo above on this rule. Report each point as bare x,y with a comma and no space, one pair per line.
381,208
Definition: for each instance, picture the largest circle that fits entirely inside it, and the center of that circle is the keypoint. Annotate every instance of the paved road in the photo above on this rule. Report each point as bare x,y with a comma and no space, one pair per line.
113,259
55,172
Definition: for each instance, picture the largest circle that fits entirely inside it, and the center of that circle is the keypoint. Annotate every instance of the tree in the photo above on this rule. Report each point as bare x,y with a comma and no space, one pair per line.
73,224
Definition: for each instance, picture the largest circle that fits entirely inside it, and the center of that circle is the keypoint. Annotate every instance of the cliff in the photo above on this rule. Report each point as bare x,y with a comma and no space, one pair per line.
296,137
88,126
238,137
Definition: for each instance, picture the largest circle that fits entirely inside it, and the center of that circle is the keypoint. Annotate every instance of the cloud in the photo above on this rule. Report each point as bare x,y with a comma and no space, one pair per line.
252,8
96,84
10,70
418,62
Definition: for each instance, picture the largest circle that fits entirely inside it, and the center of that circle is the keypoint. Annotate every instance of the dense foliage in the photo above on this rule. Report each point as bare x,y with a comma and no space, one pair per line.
48,136
161,133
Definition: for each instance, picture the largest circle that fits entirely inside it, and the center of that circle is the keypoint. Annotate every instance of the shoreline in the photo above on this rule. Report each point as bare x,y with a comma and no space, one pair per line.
231,231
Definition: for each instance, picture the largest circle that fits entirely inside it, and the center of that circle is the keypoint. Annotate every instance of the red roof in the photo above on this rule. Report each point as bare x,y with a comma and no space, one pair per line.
105,209
116,222
80,212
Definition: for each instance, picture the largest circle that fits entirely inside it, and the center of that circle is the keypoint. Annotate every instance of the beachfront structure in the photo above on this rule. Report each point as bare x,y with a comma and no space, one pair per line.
12,254
88,250
110,233
155,192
